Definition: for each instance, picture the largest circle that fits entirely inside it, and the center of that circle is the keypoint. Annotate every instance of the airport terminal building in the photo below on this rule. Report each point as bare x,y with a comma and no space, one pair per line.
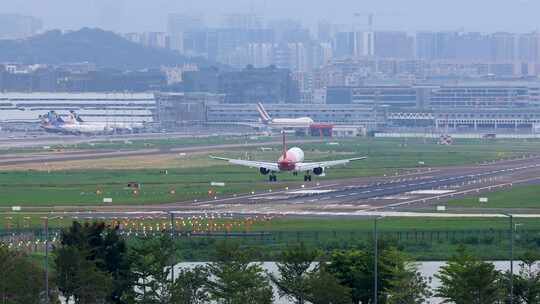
445,109
25,108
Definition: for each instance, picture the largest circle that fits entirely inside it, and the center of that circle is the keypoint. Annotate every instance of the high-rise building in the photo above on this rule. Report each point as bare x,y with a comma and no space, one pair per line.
529,47
344,45
178,24
393,44
503,47
260,54
156,40
322,54
472,47
13,26
436,45
267,85
426,45
324,31
242,21
196,43
150,39
364,44
299,57
288,30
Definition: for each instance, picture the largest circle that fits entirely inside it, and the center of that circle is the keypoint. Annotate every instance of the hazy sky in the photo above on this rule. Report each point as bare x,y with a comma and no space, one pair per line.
410,15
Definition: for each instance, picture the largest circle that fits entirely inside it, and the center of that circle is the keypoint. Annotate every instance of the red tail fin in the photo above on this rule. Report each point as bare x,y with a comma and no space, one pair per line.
265,117
284,145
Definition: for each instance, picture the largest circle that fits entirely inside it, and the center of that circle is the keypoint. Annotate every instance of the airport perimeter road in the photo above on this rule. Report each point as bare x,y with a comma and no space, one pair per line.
8,160
361,197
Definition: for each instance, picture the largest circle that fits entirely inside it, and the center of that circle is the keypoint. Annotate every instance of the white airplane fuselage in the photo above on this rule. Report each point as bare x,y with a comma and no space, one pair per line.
283,123
303,122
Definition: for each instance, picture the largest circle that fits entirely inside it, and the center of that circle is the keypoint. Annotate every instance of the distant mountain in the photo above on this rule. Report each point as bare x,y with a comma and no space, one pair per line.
105,49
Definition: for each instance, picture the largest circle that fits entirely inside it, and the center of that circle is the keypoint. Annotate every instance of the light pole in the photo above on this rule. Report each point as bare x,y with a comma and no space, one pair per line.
511,219
376,260
47,218
173,231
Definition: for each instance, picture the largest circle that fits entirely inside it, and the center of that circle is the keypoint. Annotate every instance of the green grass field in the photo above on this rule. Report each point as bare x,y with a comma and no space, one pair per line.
518,197
386,156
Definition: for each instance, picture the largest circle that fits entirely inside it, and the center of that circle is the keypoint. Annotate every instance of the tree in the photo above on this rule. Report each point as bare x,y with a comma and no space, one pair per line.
152,261
354,269
408,286
467,280
79,279
16,271
351,268
236,280
190,286
324,288
293,267
105,251
527,281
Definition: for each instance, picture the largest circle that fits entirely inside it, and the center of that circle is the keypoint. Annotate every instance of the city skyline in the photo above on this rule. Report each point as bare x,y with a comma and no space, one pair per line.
415,15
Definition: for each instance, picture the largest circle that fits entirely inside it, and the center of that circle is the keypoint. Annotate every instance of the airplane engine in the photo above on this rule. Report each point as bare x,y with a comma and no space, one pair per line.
318,171
264,171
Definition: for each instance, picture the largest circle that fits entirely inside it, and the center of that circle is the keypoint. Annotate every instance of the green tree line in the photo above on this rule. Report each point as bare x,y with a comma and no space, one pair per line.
93,264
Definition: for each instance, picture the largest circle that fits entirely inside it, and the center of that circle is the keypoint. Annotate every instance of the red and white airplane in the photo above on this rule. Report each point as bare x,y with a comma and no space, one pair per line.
291,160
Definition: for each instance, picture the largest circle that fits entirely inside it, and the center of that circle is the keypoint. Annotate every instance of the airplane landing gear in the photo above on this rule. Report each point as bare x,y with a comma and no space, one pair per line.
307,177
272,178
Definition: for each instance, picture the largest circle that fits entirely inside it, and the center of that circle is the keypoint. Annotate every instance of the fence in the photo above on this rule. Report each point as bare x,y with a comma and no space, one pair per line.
422,245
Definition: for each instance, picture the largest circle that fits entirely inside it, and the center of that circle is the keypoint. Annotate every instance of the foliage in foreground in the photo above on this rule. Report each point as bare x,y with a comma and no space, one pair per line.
16,271
93,265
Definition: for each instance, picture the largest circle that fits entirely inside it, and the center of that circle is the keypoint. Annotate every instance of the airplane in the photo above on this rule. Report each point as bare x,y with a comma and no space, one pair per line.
74,125
115,126
291,160
54,123
283,123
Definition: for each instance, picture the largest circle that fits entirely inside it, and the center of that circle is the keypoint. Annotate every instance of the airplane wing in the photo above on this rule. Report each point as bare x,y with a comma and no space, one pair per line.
249,163
325,164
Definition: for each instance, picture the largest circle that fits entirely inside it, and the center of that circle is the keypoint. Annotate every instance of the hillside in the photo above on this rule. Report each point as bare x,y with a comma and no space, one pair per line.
106,49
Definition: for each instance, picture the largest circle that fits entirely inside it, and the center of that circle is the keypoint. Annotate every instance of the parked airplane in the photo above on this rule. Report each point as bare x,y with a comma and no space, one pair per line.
73,124
291,160
115,126
283,123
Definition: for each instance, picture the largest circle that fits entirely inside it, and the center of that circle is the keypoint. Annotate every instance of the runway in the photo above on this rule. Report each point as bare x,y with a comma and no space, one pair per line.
415,190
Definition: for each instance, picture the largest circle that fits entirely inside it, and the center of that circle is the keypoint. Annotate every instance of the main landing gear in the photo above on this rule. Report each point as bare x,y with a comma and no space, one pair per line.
272,178
307,177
